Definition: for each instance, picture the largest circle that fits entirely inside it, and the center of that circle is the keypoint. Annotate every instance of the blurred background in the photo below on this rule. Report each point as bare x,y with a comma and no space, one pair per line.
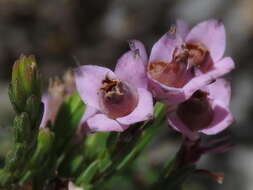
96,32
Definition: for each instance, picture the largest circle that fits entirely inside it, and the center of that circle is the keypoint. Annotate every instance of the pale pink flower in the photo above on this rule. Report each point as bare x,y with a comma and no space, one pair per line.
184,60
206,111
115,100
58,90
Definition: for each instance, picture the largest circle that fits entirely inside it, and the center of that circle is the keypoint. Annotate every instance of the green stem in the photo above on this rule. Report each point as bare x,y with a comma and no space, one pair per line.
146,137
175,172
130,151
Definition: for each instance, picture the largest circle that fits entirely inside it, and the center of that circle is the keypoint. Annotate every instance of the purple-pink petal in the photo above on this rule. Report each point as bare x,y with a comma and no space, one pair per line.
51,107
210,33
165,94
89,112
138,47
46,116
222,119
221,68
101,123
83,126
220,91
163,49
182,28
176,123
131,67
142,112
224,66
89,80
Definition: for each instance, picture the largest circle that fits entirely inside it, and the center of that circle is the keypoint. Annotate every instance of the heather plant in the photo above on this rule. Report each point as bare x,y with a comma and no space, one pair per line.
93,123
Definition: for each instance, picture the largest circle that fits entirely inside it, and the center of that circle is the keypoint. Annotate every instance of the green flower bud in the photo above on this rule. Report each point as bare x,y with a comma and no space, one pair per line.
25,82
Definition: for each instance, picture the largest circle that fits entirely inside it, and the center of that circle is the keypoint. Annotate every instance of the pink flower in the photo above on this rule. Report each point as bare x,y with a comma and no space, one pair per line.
116,99
205,111
51,107
183,61
58,90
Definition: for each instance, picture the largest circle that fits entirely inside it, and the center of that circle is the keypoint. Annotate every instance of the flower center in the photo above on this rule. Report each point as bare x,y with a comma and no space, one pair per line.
182,66
196,113
118,99
199,57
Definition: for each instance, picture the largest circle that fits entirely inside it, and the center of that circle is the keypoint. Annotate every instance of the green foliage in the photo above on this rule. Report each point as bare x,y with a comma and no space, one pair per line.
67,121
25,95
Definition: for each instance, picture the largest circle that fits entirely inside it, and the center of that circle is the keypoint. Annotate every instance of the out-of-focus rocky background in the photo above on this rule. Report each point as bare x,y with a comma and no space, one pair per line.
59,32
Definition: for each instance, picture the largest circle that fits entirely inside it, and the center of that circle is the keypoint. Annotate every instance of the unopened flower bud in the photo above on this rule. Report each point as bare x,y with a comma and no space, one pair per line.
25,81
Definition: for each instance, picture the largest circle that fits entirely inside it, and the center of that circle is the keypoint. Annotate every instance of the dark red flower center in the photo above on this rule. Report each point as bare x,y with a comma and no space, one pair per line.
118,99
196,113
199,57
182,66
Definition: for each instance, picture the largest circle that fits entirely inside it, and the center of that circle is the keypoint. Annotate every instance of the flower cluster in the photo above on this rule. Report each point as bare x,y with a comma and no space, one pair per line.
183,71
179,82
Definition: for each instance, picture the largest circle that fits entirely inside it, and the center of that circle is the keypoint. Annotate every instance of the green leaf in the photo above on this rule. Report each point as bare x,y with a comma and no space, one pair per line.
147,135
88,174
67,121
95,144
44,144
175,179
5,177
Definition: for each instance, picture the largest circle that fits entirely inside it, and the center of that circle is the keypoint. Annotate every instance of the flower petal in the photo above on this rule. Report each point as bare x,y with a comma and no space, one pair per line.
101,123
89,112
210,33
225,65
51,107
220,91
83,127
222,119
142,112
163,49
89,80
221,68
165,94
182,28
136,45
46,116
179,126
131,67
